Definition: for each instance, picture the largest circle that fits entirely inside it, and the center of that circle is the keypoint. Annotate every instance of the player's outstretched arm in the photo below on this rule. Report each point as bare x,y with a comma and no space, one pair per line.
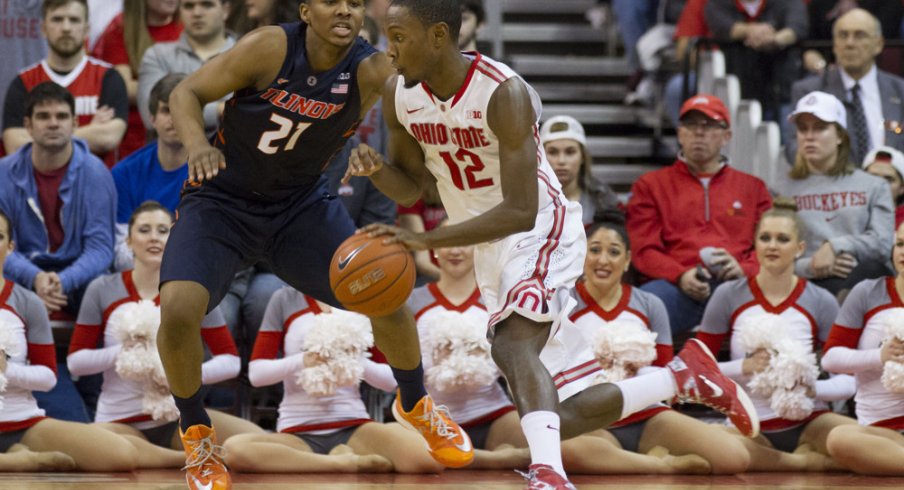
511,117
403,178
241,67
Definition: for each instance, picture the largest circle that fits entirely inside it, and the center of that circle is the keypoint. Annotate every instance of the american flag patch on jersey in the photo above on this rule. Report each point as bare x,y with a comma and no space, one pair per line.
339,88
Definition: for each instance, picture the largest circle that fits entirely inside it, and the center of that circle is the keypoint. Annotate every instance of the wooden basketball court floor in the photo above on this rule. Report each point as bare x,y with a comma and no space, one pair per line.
451,480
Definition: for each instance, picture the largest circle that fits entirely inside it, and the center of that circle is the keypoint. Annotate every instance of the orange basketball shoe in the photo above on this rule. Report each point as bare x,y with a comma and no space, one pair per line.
449,444
204,467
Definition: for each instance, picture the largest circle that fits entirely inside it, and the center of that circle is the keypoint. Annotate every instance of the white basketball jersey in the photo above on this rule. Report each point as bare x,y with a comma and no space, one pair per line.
460,149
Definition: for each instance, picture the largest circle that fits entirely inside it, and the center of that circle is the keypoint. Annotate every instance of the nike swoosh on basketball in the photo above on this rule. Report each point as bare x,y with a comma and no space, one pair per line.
343,261
717,390
412,111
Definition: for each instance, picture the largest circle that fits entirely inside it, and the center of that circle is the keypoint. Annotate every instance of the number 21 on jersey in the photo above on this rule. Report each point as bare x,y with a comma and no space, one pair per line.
273,141
472,165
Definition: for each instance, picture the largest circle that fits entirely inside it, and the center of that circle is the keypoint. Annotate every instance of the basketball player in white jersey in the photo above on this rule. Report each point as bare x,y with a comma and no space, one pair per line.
472,123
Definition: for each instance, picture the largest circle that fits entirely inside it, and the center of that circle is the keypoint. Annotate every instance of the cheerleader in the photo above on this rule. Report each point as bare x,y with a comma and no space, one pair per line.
867,341
323,426
613,314
774,322
29,441
459,372
115,335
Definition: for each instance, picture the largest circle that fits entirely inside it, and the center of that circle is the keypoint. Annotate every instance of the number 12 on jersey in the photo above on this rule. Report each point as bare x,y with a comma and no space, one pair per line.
271,141
476,165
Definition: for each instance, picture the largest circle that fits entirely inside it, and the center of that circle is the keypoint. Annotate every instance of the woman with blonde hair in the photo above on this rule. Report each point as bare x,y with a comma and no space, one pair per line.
849,214
774,322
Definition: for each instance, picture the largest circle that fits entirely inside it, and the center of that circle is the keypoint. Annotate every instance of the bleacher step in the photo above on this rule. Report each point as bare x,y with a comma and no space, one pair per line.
575,66
546,6
600,114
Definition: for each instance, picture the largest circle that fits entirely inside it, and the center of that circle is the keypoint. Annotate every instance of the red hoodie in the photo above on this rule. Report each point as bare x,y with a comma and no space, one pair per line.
672,215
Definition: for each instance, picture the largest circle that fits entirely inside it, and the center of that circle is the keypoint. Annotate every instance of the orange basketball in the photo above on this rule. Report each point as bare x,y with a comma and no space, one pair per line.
371,278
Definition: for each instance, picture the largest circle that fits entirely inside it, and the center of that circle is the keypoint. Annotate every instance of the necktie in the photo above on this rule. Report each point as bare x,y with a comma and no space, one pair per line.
859,130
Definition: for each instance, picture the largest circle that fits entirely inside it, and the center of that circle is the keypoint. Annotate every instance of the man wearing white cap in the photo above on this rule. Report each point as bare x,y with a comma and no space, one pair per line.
847,212
874,99
888,163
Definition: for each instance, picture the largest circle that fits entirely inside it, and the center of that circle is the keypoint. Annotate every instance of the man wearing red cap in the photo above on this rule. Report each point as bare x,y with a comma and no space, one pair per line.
691,224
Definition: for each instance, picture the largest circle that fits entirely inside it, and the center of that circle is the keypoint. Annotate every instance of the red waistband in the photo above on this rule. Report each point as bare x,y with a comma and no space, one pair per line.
778,424
896,423
20,424
485,419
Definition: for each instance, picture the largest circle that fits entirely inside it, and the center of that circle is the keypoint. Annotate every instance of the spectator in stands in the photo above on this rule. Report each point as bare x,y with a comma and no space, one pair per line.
62,201
565,144
21,47
472,18
634,18
247,15
759,39
100,94
848,213
153,173
860,344
888,163
875,114
203,38
691,25
676,214
824,13
141,24
748,310
101,13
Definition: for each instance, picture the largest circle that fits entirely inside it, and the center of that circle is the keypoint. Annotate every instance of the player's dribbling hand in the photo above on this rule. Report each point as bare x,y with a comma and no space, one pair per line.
205,163
363,161
394,234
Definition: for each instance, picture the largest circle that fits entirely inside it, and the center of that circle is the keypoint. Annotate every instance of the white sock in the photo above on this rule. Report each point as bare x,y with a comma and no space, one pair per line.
644,390
541,428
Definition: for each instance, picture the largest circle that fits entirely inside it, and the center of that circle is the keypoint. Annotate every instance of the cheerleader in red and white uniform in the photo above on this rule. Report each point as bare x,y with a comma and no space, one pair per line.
867,341
654,440
105,341
774,322
459,372
317,353
29,441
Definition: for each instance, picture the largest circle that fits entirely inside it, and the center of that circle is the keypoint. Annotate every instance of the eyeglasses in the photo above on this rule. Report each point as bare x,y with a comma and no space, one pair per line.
705,124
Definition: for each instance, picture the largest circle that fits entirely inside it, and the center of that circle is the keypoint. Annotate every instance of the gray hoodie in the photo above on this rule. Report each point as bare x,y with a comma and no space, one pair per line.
854,213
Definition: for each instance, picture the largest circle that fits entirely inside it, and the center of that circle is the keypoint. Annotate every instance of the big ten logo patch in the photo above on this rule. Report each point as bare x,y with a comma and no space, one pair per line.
366,281
735,209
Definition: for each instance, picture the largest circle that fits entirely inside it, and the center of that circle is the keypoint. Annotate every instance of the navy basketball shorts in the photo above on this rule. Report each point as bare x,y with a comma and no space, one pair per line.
217,234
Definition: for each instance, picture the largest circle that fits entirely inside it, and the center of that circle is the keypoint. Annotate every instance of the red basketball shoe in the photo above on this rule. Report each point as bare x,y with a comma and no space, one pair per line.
543,477
699,380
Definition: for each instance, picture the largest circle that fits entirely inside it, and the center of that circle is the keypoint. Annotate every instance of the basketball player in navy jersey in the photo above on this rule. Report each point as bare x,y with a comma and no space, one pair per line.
257,193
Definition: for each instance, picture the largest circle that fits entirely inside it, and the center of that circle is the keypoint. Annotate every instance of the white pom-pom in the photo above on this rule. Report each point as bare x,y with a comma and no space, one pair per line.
8,347
619,345
893,371
135,325
460,353
341,338
159,403
792,367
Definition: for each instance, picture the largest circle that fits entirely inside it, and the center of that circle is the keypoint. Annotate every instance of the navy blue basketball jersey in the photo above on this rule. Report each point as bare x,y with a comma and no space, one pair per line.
279,140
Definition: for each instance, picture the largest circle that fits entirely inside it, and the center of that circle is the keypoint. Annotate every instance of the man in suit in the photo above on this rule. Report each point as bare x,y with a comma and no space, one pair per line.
876,115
